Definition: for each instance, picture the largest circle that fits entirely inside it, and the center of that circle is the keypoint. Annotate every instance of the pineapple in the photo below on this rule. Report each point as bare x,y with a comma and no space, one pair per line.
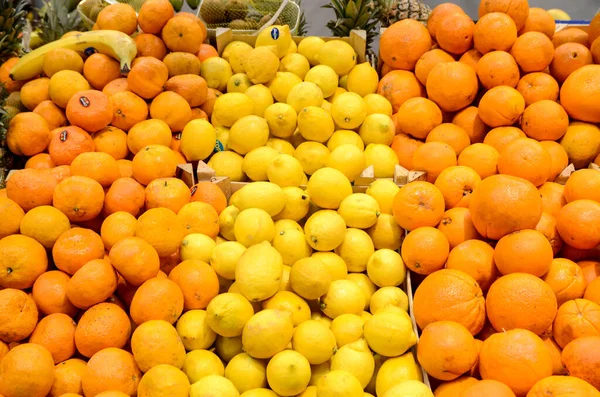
354,15
12,22
392,11
6,157
303,23
56,20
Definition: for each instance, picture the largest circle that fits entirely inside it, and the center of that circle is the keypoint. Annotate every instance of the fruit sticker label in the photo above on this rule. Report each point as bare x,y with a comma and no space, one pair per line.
274,33
219,147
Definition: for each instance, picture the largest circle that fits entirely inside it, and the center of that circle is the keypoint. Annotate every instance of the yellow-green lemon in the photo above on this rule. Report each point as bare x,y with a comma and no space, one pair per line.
253,226
224,258
336,265
267,333
343,297
197,246
349,110
389,296
227,314
312,155
339,383
339,55
201,363
282,120
285,170
389,332
228,348
378,104
235,53
325,77
248,133
261,97
258,272
384,191
386,268
227,221
310,278
277,38
310,48
355,358
246,373
229,164
315,124
198,140
231,107
343,137
213,385
327,188
292,246
265,195
359,210
291,302
386,233
261,65
297,205
377,128
383,159
295,63
325,230
256,162
303,95
216,71
363,79
347,328
349,160
282,84
194,330
288,373
315,341
355,249
239,82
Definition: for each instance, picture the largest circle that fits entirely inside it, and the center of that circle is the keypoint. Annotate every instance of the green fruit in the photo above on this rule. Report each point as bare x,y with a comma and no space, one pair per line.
193,3
177,4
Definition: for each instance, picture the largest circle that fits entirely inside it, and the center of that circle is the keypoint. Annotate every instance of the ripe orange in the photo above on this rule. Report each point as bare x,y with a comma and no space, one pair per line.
69,142
113,141
50,293
199,217
44,224
118,16
576,319
518,10
80,198
568,58
111,369
452,85
397,86
128,110
31,188
418,116
157,299
171,193
54,116
533,51
578,224
101,167
539,20
451,134
18,315
149,45
183,34
403,43
501,106
116,227
405,147
480,157
99,70
433,158
11,215
475,258
425,250
101,326
428,61
494,31
93,283
209,193
154,14
553,198
162,229
198,282
498,68
454,33
457,226
56,333
582,358
27,370
547,226
147,77
559,156
538,86
125,194
67,378
526,158
153,162
76,247
28,134
469,120
190,87
439,13
22,261
490,388
418,204
555,385
579,93
566,279
457,183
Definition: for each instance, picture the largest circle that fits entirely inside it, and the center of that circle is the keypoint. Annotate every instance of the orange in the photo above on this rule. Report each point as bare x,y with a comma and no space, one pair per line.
578,224
93,283
547,226
475,258
517,10
116,227
404,147
56,333
60,173
153,162
49,293
590,268
69,142
31,188
118,16
149,45
428,61
182,63
539,20
198,282
54,116
454,388
207,51
40,161
67,377
190,87
101,326
592,292
148,132
209,104
439,13
501,137
171,108
538,86
125,168
418,116
35,92
498,68
44,224
209,193
494,31
576,319
455,33
147,77
125,194
397,86
162,229
11,215
556,385
198,113
595,49
480,157
571,35
183,34
525,251
90,110
471,58
118,85
582,143
583,184
157,344
452,85
501,106
579,93
101,167
154,14
111,369
526,158
28,134
5,79
456,184
418,204
468,119
27,370
433,158
425,250
199,217
171,193
457,226
157,299
489,388
451,134
18,315
113,141
594,30
135,260
533,51
568,58
566,279
128,110
75,247
99,70
559,157
80,198
22,261
555,351
403,43
582,358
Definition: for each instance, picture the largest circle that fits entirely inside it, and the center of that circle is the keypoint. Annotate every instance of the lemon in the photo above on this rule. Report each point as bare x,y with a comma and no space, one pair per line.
325,230
261,65
198,140
349,160
312,155
315,341
339,55
194,331
347,328
386,233
296,207
265,195
303,95
319,370
344,82
267,333
365,315
295,63
288,373
235,53
310,278
325,77
359,210
320,317
338,91
228,313
283,225
349,110
289,301
379,360
253,226
355,358
377,128
282,84
339,383
201,363
258,272
284,170
261,97
259,393
378,104
293,48
343,297
335,264
326,105
327,188
386,268
297,138
227,348
248,133
384,191
282,120
383,159
224,258
227,221
389,296
256,162
409,388
292,246
228,164
217,72
310,391
345,137
246,373
310,47
315,124
231,107
197,246
222,137
356,249
365,284
390,332
239,82
285,279
397,370
363,79
213,385
277,37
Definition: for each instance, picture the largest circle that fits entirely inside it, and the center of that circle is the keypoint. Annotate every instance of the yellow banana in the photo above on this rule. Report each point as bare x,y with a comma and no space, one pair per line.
110,42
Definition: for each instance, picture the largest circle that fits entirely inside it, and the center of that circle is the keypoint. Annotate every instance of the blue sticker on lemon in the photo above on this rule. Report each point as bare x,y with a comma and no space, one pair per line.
274,33
219,147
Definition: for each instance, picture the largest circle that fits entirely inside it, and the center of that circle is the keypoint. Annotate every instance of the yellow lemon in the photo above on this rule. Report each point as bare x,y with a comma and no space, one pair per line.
231,107
194,331
365,284
292,246
297,138
386,233
312,155
287,300
326,105
345,137
343,297
397,370
235,53
288,373
259,393
253,226
347,328
359,210
228,313
315,124
319,370
246,373
327,188
258,272
409,388
310,278
217,72
303,95
349,110
378,104
261,97
339,55
339,383
228,348
356,249
383,159
197,246
282,120
379,360
201,363
267,333
386,268
338,91
311,391
389,296
276,37
239,82
261,65
355,358
285,280
325,77
283,225
390,332
295,63
349,160
224,258
315,341
198,140
344,82
310,48
163,379
229,164
284,170
282,84
365,315
384,191
377,128
320,317
213,385
297,205
256,162
222,137
248,133
265,195
227,221
363,79
293,48
335,264
325,230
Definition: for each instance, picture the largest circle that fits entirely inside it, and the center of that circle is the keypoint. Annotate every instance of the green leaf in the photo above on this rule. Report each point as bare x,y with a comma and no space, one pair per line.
351,10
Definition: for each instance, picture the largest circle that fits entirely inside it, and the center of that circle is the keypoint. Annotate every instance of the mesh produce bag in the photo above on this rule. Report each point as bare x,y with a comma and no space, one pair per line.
249,16
89,9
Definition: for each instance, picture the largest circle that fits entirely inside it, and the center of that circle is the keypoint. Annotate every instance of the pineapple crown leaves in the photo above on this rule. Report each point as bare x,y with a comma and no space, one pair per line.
56,20
13,15
354,14
303,24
